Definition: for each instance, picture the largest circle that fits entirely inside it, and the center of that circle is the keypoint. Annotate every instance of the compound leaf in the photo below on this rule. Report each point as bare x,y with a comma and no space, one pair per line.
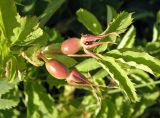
119,24
137,59
119,75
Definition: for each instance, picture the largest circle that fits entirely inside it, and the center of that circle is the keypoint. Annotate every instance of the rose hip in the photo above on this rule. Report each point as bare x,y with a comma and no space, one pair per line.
57,69
71,46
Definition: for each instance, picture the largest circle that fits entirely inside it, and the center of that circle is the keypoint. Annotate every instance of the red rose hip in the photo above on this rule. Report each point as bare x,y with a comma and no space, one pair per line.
71,46
57,69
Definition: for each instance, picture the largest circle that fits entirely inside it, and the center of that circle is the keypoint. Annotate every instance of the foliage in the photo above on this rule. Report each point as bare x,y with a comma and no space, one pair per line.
127,73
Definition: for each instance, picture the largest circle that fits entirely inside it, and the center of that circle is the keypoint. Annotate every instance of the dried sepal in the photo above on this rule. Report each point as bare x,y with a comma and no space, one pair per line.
76,78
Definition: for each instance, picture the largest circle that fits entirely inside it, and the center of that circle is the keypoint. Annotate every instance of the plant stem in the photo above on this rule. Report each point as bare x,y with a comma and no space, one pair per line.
137,86
40,55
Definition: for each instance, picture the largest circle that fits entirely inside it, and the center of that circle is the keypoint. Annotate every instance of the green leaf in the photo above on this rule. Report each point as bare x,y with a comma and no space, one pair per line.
141,76
119,24
52,48
89,21
111,13
126,110
7,23
4,52
155,33
29,7
10,99
128,39
54,35
99,75
87,65
112,113
90,104
38,102
53,6
119,101
5,86
117,73
156,29
7,103
137,59
8,17
27,31
12,69
153,48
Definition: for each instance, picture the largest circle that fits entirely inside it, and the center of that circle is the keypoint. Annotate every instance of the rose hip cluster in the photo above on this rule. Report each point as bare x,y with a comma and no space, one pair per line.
70,47
60,71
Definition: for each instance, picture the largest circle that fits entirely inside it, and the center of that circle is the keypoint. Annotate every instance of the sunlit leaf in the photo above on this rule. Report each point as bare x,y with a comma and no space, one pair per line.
156,29
7,103
128,39
117,73
27,31
119,24
5,86
8,17
137,59
4,48
142,77
87,65
155,33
